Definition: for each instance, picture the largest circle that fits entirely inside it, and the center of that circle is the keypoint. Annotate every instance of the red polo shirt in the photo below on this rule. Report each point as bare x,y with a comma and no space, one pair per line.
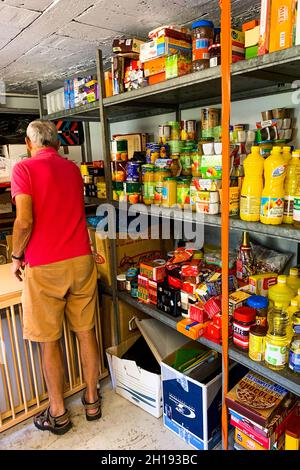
59,224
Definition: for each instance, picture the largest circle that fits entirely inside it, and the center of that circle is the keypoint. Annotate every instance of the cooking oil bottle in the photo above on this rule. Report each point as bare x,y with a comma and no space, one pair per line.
252,186
272,201
297,298
294,356
281,293
296,205
277,339
286,154
291,183
291,310
293,280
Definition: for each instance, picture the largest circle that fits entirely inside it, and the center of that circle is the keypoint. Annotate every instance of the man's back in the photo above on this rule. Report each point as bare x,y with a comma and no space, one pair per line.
59,226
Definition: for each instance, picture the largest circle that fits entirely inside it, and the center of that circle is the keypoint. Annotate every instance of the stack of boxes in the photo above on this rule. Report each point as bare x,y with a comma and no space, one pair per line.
80,91
168,55
93,180
237,45
251,30
126,68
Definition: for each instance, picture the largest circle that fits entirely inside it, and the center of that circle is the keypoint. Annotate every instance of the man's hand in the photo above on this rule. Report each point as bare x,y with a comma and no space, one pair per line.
17,267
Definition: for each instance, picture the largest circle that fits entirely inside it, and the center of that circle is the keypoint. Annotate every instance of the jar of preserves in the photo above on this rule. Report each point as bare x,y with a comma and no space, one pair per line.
164,134
188,130
183,192
175,130
149,192
186,161
243,319
118,171
169,192
214,55
196,163
257,343
175,166
148,173
160,175
203,37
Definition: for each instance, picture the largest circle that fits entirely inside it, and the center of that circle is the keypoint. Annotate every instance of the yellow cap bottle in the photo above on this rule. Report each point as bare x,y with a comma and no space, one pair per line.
281,293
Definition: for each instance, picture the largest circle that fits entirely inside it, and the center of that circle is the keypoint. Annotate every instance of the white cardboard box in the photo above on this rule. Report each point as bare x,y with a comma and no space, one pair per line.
139,386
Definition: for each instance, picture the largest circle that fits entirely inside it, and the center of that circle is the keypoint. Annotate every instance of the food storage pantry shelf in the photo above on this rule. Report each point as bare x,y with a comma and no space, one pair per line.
285,378
284,231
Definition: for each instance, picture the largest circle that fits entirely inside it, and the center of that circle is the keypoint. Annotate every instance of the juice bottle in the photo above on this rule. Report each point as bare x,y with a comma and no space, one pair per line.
287,154
293,280
252,186
281,293
272,201
277,339
291,183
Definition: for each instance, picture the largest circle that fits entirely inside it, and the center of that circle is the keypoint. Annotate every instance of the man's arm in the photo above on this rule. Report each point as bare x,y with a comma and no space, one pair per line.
22,230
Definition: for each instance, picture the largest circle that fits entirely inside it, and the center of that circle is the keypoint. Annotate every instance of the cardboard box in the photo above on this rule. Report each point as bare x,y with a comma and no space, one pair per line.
140,387
282,24
163,46
191,409
260,284
250,25
155,66
252,37
237,36
129,253
237,299
158,78
264,29
124,46
178,65
192,328
251,52
211,166
234,200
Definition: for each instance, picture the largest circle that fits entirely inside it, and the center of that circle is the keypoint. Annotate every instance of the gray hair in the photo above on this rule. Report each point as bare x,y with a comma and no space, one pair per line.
42,133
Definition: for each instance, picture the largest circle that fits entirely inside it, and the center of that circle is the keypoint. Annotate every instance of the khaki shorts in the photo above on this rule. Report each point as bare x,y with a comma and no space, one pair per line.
54,290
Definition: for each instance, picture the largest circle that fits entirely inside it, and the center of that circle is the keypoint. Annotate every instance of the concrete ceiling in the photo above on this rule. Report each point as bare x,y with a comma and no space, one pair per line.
49,40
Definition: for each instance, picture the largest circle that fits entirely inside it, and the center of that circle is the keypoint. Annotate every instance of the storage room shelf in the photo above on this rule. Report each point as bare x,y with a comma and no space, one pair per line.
261,76
285,378
287,232
32,112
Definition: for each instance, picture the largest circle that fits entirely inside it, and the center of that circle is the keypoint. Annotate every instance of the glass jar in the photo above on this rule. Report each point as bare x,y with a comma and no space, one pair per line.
196,163
203,36
118,171
188,130
175,130
186,161
243,319
257,343
261,306
148,173
183,192
175,166
214,55
164,133
169,192
277,340
159,175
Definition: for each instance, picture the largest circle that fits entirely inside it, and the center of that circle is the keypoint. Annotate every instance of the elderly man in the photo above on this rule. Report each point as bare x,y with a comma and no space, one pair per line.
50,241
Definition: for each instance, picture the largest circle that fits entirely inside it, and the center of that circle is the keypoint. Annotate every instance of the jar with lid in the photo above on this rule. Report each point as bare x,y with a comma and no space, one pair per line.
203,36
294,357
118,171
131,276
260,304
196,157
214,55
188,130
160,175
186,161
257,343
148,173
183,192
169,192
175,166
164,133
243,319
277,340
175,130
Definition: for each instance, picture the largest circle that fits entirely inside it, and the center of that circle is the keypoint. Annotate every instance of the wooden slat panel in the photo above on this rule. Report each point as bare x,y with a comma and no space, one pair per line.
19,357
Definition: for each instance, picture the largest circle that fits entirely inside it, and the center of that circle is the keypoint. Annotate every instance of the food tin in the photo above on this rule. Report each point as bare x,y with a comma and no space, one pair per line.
133,172
152,152
119,150
118,171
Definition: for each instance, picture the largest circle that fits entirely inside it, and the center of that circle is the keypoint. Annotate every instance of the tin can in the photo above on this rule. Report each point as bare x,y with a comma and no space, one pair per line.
257,343
152,152
121,282
119,150
133,172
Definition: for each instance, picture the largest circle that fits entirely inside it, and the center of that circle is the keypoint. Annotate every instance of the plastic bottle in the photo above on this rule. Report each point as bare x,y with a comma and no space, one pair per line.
293,280
294,356
277,339
291,310
281,293
296,204
272,201
287,154
252,186
291,184
297,298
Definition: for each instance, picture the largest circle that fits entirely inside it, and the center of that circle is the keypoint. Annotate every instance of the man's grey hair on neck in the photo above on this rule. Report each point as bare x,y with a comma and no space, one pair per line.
42,133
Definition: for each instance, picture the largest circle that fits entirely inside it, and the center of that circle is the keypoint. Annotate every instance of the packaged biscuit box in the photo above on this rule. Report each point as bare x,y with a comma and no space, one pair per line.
257,398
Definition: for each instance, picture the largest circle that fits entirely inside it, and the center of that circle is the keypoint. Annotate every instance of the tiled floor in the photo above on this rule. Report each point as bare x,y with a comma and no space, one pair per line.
123,426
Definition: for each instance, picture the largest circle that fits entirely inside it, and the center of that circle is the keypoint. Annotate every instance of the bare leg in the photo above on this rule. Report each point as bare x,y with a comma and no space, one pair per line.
54,376
90,364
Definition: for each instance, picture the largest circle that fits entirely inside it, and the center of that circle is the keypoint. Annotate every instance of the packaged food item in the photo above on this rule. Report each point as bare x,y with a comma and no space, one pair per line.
128,45
197,313
191,328
282,24
148,173
260,284
260,304
291,183
237,299
204,207
152,152
159,175
294,355
153,270
183,192
164,134
245,260
175,132
264,31
169,192
119,150
277,340
214,55
175,165
252,186
203,36
133,172
178,65
186,161
292,433
118,170
281,293
211,166
293,280
269,261
246,441
243,319
210,118
207,184
257,343
188,130
132,192
118,191
234,200
121,282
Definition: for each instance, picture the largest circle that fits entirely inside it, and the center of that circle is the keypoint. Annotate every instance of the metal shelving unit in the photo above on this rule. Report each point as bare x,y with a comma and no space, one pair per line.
262,76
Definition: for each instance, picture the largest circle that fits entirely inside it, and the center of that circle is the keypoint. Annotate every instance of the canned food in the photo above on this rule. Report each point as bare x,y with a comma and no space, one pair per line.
133,172
119,150
152,152
118,170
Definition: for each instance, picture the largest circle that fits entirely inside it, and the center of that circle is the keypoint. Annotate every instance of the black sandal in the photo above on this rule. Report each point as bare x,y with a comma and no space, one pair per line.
92,406
56,424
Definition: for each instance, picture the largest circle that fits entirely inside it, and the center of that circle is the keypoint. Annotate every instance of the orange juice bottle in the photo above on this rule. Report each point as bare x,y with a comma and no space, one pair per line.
291,183
286,153
272,201
252,186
